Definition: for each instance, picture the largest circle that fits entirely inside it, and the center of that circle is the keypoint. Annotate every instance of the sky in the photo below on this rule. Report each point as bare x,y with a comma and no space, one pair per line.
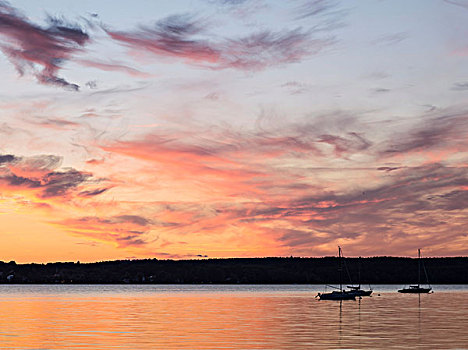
232,128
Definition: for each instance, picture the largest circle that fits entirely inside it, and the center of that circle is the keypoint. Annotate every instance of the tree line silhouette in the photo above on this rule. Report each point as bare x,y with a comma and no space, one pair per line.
293,270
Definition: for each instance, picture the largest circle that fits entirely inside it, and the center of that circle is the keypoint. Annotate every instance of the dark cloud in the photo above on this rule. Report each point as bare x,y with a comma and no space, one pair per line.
429,133
40,172
7,158
20,181
408,188
388,168
131,240
92,193
408,200
297,238
173,36
41,50
119,219
134,219
41,163
58,183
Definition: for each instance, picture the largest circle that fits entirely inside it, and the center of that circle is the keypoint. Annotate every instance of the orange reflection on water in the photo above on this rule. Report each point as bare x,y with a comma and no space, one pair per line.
230,320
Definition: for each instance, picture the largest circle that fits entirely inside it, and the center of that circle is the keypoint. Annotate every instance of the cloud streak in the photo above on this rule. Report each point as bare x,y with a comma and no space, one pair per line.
114,67
123,230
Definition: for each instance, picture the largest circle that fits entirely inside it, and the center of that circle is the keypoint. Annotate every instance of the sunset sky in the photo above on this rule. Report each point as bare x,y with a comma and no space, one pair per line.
232,128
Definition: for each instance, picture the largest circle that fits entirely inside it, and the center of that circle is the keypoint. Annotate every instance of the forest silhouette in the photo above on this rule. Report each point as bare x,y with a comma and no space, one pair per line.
373,270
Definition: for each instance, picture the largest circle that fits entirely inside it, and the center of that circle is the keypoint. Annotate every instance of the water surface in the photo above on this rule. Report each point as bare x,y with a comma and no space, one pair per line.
228,317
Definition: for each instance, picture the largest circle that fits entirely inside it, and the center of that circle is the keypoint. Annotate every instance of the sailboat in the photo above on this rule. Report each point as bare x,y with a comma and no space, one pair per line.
338,294
359,292
417,288
357,289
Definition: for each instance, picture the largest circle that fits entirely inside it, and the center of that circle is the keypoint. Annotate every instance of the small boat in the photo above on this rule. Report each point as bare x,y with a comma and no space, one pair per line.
418,288
357,291
415,289
338,294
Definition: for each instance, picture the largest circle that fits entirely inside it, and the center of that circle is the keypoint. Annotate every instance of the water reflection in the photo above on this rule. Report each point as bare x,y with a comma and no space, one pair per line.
201,319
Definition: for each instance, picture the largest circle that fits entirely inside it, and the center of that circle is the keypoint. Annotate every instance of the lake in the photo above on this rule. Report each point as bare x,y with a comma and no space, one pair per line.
228,317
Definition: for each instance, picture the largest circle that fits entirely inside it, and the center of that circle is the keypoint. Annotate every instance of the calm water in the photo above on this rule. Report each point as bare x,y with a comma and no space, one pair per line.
228,317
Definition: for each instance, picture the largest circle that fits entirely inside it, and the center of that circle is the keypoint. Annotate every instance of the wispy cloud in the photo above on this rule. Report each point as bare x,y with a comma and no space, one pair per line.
268,48
460,86
113,67
42,51
461,3
292,186
123,230
390,39
182,37
313,8
439,132
229,2
240,9
321,15
55,123
174,36
295,87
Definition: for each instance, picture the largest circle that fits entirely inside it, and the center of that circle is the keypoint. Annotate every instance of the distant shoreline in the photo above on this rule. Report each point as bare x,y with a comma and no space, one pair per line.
374,270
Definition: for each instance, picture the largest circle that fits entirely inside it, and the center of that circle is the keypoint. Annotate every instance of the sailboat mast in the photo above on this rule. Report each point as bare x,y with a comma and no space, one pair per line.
359,272
340,268
419,267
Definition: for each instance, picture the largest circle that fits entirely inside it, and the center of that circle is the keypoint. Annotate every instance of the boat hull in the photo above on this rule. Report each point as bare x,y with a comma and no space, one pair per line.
357,291
415,290
337,296
361,293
